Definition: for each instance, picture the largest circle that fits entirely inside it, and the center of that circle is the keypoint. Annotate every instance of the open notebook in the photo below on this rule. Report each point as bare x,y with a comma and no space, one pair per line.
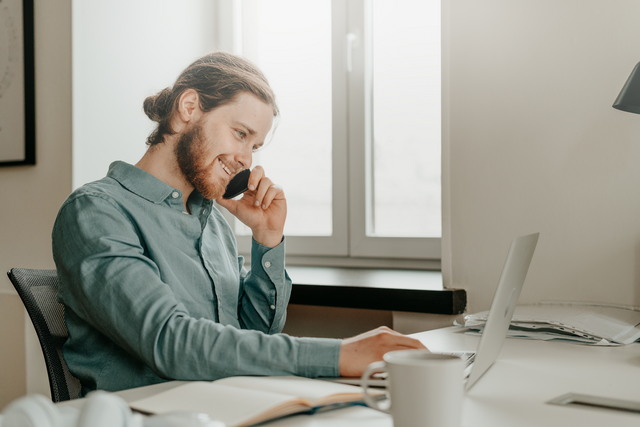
244,401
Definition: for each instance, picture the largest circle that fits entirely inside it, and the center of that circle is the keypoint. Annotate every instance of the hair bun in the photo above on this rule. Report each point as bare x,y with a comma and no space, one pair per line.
156,107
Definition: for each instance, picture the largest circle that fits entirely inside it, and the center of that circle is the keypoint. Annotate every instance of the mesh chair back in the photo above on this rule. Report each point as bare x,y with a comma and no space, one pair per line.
38,290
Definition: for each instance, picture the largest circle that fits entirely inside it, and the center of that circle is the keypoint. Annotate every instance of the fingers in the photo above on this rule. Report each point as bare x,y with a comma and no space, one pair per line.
392,340
264,186
388,336
274,192
358,352
409,343
254,178
265,190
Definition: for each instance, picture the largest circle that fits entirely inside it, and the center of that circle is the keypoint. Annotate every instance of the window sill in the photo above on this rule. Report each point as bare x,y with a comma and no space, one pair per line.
378,289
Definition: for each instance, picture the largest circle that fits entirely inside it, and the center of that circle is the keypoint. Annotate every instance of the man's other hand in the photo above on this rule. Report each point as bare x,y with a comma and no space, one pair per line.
358,352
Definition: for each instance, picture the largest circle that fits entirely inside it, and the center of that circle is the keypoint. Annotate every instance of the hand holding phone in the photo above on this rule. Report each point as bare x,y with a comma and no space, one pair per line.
238,184
263,208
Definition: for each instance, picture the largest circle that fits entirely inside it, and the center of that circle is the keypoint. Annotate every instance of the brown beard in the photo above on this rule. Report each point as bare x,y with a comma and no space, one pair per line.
189,153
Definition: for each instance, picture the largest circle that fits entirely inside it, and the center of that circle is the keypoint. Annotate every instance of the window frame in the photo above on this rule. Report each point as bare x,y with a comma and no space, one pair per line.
351,158
360,170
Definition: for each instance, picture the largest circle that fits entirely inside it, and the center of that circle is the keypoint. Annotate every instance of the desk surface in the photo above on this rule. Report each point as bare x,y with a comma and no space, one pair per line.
529,373
514,391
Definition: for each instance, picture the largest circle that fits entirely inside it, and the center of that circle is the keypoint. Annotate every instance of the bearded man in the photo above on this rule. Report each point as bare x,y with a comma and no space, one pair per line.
148,268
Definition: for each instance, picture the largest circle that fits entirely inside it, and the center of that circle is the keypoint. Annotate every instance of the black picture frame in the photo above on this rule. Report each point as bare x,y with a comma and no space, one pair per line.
28,39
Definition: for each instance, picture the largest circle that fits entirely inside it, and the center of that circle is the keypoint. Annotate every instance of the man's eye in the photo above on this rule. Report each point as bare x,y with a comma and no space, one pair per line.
255,148
241,134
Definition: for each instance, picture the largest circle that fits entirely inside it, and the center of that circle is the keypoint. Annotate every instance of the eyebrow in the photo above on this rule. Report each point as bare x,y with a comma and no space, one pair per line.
251,131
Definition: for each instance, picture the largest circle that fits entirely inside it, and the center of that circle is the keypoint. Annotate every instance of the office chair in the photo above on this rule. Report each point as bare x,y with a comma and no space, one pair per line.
38,290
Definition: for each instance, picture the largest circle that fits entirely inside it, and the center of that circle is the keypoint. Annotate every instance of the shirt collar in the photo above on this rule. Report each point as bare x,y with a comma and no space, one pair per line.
140,182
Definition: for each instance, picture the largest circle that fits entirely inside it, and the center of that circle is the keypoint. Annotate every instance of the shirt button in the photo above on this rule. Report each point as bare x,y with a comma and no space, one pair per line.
175,194
272,307
267,264
204,211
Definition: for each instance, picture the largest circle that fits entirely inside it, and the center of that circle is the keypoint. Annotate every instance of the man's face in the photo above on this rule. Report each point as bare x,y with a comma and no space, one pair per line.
221,143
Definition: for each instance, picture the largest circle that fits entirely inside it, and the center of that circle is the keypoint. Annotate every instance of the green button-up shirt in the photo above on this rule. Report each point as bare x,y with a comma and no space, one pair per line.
153,293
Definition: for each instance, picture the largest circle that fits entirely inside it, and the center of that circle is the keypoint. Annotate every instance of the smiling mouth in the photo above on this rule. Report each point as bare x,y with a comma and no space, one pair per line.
226,169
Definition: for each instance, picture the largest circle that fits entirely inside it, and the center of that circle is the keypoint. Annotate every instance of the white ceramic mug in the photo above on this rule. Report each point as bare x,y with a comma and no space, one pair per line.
425,389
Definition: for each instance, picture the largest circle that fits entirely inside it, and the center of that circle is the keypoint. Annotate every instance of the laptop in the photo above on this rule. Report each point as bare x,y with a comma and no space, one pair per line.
504,304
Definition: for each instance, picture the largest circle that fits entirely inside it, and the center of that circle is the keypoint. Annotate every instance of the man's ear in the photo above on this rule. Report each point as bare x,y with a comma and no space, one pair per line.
188,106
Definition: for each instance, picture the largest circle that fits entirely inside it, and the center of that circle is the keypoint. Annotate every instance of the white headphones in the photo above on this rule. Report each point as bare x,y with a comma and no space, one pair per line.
101,409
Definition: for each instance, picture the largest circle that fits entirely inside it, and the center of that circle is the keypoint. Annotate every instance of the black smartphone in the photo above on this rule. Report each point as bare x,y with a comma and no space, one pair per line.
238,184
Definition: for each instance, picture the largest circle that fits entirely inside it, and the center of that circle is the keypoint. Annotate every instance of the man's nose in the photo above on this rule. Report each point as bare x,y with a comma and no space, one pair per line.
245,157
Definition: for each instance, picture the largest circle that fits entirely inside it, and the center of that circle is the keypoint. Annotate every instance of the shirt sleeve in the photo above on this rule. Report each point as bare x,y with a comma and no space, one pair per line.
109,282
265,290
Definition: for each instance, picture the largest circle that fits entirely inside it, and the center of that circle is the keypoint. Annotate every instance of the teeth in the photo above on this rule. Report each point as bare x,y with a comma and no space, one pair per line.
226,169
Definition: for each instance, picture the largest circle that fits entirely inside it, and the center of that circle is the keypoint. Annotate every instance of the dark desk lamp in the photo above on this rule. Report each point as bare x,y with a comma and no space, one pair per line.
629,98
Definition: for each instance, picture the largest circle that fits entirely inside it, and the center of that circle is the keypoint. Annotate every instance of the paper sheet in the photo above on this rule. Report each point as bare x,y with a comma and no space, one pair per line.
590,323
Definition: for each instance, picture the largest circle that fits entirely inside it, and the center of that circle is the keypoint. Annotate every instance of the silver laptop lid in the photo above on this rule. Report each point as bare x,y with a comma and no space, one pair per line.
503,305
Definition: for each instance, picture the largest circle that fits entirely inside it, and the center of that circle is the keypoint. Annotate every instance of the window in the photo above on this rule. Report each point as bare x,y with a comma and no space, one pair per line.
358,147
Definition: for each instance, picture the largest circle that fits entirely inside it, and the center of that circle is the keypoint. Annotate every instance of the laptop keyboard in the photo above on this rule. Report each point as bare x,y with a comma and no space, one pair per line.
467,356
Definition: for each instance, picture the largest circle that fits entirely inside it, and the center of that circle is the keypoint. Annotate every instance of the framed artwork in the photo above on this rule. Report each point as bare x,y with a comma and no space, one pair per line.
17,84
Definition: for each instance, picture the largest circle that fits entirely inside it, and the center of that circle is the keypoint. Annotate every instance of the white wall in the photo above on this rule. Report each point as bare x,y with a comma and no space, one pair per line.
31,196
534,145
124,51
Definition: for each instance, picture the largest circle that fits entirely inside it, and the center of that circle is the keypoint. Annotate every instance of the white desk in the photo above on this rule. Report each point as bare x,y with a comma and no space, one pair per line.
514,391
529,373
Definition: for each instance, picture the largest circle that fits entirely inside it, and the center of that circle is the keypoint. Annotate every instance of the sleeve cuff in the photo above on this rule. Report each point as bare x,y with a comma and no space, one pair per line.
319,357
268,263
